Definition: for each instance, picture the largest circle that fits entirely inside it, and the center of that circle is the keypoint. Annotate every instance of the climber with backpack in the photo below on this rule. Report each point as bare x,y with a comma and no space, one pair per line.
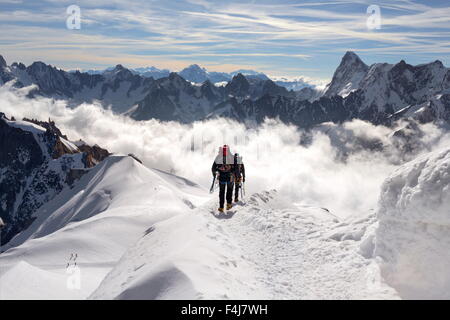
223,169
239,175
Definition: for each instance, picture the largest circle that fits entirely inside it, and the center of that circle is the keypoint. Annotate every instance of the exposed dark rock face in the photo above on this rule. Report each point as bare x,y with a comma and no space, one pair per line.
2,62
156,105
36,163
135,157
238,86
49,125
93,155
74,175
20,156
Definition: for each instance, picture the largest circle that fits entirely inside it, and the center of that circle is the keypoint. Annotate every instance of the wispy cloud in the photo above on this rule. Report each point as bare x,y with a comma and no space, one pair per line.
279,36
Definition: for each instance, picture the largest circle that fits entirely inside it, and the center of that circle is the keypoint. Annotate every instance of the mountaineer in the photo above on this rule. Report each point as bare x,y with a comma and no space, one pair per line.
223,169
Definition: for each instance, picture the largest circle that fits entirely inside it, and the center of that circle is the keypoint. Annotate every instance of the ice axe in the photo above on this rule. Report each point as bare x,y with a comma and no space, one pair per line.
211,190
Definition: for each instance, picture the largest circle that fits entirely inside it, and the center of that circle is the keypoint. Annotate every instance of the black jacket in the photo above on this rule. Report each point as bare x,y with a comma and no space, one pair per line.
229,171
226,171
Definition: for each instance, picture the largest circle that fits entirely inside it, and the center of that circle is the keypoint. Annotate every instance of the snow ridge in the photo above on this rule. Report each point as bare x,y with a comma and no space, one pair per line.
413,237
262,249
144,234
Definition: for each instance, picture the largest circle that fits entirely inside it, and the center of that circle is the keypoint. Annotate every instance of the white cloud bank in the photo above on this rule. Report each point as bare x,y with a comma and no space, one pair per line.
333,170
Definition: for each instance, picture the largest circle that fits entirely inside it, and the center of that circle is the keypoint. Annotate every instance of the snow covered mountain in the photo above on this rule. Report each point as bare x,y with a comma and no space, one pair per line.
347,76
130,243
152,72
197,74
113,205
128,232
384,91
250,74
36,163
174,98
148,72
167,98
118,88
113,228
380,93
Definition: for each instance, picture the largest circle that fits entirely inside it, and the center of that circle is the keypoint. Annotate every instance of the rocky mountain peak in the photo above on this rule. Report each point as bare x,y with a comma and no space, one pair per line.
194,73
350,56
173,76
195,67
351,61
347,76
38,66
438,63
238,86
401,67
121,70
19,65
2,62
240,80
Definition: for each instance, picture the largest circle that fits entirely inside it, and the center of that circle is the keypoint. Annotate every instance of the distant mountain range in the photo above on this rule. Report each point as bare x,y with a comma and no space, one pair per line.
380,93
196,74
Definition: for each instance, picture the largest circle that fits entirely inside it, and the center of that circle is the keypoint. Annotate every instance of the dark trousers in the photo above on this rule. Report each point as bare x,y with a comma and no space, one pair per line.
236,190
229,189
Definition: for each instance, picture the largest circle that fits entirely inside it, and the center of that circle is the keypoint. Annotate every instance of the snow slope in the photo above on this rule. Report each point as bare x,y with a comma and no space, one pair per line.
106,211
145,234
413,238
264,249
140,233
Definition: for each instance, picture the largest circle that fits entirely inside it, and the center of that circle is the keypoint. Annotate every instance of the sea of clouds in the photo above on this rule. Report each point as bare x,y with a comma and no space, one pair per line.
339,167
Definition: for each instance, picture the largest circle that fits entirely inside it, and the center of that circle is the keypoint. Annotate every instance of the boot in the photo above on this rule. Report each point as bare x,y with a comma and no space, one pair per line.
236,200
229,206
220,209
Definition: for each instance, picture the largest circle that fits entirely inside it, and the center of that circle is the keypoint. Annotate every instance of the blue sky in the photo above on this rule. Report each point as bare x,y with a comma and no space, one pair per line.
279,37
